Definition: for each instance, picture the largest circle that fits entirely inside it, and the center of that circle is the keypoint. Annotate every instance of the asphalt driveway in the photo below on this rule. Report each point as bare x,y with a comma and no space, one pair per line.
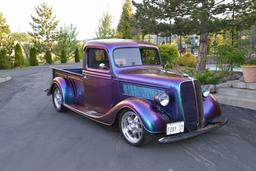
34,137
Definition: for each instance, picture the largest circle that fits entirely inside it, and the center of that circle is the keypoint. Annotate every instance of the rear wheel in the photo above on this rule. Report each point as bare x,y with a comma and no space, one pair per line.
132,129
57,99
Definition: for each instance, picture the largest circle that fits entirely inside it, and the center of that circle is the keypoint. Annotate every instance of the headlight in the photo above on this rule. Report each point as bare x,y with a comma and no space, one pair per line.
206,93
162,99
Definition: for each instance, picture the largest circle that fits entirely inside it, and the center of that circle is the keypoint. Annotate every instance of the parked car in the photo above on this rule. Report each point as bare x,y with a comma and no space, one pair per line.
122,81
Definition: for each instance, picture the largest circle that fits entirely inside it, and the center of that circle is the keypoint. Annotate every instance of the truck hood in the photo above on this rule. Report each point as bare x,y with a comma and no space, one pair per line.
153,76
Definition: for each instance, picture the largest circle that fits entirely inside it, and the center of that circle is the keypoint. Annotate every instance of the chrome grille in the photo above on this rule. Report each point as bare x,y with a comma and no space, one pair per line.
192,104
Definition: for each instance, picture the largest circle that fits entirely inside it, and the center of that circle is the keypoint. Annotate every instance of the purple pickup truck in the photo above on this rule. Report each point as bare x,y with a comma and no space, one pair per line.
123,82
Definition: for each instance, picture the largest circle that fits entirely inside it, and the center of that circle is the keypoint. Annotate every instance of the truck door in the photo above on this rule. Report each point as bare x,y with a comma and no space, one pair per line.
97,80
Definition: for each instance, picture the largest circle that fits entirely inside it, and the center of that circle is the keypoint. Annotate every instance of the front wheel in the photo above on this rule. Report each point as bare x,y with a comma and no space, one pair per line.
132,129
57,99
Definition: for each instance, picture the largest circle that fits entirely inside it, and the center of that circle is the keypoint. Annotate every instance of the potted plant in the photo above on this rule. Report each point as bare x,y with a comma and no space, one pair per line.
249,70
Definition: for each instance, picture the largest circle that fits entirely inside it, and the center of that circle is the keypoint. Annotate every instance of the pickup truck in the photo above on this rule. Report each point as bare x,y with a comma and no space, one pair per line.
123,82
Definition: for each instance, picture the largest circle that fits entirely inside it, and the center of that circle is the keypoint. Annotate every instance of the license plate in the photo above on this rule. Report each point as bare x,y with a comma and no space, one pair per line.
174,128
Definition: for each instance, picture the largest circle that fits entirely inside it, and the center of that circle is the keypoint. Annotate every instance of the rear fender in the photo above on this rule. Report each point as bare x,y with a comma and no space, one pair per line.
64,87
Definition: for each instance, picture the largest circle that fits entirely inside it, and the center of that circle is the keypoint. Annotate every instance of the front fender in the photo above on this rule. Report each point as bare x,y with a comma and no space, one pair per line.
152,120
64,87
211,108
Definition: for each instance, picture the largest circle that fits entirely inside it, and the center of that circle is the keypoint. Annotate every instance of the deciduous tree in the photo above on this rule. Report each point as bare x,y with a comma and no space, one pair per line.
4,31
6,40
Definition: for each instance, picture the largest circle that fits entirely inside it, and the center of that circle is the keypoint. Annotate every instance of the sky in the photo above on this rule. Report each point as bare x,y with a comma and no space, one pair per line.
84,14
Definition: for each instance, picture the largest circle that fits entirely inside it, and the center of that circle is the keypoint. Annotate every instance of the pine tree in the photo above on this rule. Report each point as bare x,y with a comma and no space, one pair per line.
19,57
104,30
124,27
4,63
201,17
33,56
48,57
77,55
63,56
44,26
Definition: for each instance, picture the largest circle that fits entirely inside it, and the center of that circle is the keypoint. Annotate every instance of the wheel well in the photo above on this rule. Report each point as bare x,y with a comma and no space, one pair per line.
119,113
51,88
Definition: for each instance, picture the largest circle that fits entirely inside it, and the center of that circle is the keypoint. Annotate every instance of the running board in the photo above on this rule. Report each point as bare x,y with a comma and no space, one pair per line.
93,115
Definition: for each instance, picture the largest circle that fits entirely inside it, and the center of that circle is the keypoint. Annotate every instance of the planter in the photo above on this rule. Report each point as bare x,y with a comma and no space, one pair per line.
249,73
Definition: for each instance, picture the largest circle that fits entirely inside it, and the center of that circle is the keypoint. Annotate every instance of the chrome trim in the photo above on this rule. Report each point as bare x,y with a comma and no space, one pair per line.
195,92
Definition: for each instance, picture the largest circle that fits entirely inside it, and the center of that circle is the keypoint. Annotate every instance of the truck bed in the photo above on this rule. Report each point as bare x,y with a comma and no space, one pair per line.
74,89
74,72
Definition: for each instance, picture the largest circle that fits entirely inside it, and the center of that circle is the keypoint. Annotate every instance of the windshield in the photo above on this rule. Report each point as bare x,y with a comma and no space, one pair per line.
136,56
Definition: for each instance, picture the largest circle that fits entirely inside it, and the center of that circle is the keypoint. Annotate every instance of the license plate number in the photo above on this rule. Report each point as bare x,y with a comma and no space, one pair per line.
174,128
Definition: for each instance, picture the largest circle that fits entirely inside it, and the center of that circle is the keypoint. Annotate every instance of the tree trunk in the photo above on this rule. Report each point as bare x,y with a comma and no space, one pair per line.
157,38
201,59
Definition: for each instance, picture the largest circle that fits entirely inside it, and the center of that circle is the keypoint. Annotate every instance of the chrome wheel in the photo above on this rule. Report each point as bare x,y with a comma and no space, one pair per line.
131,127
57,98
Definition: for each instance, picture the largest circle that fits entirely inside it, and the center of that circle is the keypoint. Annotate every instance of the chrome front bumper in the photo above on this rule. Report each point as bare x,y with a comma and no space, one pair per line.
183,136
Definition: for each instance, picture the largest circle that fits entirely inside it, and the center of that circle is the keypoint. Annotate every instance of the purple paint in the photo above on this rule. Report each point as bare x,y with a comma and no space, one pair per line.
101,91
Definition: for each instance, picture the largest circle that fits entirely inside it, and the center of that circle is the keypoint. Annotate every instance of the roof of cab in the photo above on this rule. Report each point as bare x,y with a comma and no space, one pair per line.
115,43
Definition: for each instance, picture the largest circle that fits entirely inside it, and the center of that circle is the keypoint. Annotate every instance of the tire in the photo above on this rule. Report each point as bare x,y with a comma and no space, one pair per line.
132,129
57,99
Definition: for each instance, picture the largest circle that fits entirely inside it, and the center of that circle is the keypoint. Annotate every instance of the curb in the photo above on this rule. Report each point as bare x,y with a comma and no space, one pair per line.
5,79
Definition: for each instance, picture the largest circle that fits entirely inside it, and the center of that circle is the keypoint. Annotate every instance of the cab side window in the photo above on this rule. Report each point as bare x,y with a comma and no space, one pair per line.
97,59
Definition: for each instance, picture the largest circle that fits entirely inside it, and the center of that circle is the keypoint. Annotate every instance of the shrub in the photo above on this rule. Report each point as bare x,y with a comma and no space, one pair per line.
188,59
229,57
4,63
77,55
19,57
32,56
63,56
48,57
205,77
169,54
208,77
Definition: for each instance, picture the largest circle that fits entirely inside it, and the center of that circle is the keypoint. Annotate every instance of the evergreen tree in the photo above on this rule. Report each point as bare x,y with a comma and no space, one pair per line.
19,57
44,26
33,56
63,56
77,55
48,57
124,27
201,17
4,63
67,40
242,14
104,30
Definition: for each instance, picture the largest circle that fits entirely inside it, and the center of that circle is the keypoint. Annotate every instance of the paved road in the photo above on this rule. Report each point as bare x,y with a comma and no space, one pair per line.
34,137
